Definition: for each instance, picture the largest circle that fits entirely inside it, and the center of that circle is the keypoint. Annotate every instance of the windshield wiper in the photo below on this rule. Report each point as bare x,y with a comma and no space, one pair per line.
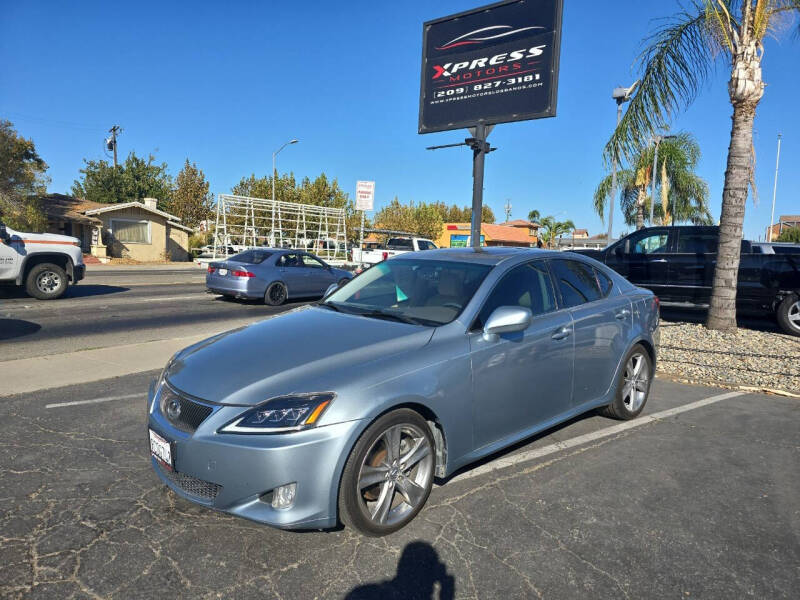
330,305
380,314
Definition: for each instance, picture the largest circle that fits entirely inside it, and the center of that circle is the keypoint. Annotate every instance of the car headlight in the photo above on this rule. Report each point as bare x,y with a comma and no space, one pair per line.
287,413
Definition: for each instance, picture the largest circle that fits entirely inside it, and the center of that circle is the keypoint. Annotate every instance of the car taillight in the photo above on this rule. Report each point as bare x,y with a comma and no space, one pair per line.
657,303
211,269
238,273
385,255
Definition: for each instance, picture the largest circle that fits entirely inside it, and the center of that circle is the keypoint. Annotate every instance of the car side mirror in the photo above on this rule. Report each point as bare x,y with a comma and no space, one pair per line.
331,288
506,319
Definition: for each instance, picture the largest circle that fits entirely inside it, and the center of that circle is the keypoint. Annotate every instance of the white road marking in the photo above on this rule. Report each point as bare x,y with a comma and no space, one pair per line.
94,400
515,459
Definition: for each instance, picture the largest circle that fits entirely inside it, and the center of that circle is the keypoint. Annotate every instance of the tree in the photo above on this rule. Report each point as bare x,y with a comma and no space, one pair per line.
133,180
677,59
790,234
191,200
683,194
22,181
534,215
428,221
396,216
551,229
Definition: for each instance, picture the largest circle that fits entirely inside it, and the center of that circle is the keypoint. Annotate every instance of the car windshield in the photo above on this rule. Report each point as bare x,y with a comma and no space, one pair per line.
424,292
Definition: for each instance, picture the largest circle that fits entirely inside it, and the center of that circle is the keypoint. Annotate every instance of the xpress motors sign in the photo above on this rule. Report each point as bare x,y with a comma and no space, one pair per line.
490,65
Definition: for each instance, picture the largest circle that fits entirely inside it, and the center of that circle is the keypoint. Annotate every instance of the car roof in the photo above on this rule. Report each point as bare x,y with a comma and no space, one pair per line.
486,255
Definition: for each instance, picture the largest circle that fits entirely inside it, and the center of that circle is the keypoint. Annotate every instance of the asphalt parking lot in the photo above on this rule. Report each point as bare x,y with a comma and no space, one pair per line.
699,503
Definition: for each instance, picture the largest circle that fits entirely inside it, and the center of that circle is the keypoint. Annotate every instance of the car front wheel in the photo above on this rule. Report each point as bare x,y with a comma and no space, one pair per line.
389,474
46,282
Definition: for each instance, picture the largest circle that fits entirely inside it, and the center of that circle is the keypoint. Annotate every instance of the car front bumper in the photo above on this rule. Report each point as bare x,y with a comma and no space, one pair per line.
234,473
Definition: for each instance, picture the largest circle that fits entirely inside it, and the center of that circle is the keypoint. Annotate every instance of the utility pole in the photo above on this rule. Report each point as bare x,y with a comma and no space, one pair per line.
111,142
508,209
774,188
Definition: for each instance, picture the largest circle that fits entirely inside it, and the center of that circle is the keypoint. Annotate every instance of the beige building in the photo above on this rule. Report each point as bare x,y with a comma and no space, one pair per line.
136,230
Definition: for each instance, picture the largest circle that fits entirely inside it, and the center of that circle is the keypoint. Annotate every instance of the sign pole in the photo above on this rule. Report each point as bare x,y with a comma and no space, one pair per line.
361,243
479,149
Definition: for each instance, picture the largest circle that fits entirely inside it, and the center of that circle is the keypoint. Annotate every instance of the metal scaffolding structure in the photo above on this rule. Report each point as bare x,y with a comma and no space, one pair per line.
244,222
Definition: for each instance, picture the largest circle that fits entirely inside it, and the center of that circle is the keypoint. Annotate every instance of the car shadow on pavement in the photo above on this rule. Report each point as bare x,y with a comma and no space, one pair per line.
16,328
509,450
419,574
83,291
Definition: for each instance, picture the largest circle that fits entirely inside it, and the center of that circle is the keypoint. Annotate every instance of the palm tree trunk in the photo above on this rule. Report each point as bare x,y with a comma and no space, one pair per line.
640,209
722,313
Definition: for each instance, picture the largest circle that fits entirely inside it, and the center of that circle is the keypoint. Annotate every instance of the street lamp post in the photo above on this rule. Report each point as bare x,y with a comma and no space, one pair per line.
274,174
620,95
774,190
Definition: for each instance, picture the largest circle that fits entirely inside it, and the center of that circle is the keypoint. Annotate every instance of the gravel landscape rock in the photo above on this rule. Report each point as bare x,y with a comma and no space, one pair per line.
745,358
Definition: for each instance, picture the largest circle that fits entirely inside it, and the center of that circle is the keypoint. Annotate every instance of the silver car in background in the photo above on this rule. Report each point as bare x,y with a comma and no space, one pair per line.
347,410
274,275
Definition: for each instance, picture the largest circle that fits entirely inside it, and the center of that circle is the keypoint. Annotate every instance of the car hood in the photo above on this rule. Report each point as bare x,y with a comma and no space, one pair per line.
304,350
44,237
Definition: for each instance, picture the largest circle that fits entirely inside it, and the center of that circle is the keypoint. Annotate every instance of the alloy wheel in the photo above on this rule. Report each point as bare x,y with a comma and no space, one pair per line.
277,293
395,474
48,282
637,380
794,314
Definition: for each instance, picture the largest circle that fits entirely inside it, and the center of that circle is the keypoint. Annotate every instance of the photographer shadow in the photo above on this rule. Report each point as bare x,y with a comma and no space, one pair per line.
419,570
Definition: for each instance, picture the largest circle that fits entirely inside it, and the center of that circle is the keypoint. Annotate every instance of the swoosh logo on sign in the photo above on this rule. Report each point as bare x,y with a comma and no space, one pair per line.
470,38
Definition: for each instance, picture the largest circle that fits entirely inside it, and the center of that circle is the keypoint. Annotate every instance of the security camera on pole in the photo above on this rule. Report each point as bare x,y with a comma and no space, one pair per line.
365,199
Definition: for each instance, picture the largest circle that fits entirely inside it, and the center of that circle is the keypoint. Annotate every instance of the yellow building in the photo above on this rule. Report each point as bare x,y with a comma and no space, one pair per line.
513,233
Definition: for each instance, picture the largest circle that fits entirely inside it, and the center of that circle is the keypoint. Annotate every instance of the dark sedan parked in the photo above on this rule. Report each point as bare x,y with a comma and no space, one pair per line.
273,274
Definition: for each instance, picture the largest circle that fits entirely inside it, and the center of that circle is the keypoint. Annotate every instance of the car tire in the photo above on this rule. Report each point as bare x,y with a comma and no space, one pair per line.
276,294
633,385
788,314
401,487
46,281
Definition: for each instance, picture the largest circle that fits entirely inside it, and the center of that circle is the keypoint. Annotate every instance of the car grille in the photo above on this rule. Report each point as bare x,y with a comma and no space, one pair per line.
181,412
203,490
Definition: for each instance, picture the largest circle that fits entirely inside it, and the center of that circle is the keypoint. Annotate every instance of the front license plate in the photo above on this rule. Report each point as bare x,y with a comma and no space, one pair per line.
161,448
223,272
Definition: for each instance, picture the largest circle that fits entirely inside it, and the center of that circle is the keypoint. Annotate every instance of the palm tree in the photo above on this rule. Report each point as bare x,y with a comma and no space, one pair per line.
534,215
683,194
677,59
552,228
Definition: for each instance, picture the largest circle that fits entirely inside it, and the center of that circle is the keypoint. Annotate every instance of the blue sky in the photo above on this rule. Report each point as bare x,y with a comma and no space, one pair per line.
226,83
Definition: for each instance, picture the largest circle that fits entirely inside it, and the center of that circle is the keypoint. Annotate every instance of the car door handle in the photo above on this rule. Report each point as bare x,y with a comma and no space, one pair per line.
658,260
561,333
622,314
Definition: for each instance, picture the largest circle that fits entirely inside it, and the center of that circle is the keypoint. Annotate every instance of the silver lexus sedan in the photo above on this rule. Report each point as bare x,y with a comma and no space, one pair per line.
346,410
273,274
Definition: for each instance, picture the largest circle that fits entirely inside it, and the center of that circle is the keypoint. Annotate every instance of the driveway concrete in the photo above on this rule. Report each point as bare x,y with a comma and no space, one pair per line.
700,503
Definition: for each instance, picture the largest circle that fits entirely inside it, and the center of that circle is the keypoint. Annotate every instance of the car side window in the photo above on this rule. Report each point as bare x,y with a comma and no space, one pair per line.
604,281
310,261
576,282
649,244
697,242
289,260
527,285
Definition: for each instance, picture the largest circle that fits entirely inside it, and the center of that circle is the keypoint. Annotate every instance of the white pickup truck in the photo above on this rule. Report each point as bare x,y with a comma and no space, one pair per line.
394,246
45,263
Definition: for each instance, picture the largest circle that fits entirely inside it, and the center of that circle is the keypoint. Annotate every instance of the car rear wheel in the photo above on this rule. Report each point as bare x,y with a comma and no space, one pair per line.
633,385
389,474
276,294
46,282
789,315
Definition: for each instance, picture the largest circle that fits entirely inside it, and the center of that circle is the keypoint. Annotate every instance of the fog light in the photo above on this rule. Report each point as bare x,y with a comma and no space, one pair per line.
283,496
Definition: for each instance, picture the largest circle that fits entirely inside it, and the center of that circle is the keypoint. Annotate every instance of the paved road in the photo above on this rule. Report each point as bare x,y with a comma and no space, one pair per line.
116,307
703,503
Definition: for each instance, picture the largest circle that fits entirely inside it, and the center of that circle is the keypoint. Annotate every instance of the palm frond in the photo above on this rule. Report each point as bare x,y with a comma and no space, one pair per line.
677,59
